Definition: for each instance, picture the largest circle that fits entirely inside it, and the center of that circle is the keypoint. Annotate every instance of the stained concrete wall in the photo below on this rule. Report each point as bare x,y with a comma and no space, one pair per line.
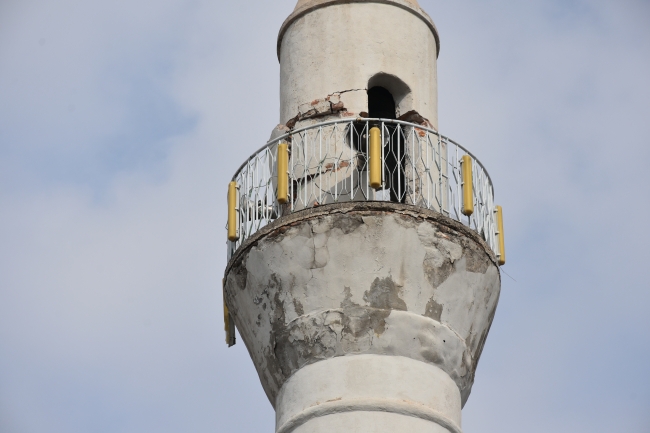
369,393
332,51
363,279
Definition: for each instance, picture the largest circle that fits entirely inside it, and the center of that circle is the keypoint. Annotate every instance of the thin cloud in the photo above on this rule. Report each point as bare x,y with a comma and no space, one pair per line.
112,213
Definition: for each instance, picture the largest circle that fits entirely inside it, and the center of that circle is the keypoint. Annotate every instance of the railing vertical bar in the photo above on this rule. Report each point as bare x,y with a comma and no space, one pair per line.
366,132
398,168
383,159
413,135
430,160
352,168
292,161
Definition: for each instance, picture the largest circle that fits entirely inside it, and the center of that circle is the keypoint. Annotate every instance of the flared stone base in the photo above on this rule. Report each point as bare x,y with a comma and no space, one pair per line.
370,314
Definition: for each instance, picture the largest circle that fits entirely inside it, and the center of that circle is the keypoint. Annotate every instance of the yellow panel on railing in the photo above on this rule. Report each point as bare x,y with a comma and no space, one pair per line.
502,242
468,185
374,153
233,229
283,173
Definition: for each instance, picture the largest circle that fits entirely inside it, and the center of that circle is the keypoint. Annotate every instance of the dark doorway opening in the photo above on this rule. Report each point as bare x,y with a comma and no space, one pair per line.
381,105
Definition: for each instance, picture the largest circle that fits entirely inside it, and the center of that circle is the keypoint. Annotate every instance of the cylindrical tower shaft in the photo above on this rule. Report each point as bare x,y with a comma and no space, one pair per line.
332,52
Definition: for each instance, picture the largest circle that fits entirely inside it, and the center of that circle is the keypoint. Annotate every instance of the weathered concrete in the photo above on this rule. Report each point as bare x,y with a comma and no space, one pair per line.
374,279
305,6
408,393
338,49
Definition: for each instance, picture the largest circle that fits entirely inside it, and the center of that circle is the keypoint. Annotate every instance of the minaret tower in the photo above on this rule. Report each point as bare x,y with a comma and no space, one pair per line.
364,246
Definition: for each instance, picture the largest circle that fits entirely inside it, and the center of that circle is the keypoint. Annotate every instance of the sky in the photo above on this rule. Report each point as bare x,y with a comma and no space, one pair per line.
122,122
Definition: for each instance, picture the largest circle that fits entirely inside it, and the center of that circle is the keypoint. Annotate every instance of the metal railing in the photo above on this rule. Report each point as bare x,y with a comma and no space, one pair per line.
328,163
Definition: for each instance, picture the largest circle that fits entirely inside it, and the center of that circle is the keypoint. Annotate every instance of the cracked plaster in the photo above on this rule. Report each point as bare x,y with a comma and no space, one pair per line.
349,45
364,281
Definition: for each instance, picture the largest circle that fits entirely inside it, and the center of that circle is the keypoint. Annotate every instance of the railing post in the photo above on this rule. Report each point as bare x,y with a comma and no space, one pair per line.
283,173
233,221
502,243
468,185
374,153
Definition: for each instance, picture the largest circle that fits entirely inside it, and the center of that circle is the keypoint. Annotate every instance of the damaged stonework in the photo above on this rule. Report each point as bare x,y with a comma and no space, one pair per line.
363,278
321,107
415,117
279,131
333,104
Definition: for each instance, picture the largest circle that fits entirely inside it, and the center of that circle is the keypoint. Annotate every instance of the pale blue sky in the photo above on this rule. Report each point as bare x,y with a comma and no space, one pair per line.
121,123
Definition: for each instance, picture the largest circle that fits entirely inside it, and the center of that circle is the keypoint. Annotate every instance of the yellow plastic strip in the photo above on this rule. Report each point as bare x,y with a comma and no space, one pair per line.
468,185
283,173
233,232
375,161
502,242
228,322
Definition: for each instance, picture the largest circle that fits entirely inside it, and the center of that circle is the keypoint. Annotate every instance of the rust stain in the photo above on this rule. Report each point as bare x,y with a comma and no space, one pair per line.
330,167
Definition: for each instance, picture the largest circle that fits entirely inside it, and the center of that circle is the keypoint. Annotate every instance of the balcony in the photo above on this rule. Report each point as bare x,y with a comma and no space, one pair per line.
362,160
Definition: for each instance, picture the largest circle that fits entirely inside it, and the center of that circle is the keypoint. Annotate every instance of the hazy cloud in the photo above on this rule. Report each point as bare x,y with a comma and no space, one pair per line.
122,122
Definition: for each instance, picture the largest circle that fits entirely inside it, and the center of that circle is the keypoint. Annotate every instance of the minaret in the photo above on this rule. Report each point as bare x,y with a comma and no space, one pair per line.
364,246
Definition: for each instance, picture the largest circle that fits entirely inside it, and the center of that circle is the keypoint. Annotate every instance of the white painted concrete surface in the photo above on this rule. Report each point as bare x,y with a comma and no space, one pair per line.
351,390
365,309
347,47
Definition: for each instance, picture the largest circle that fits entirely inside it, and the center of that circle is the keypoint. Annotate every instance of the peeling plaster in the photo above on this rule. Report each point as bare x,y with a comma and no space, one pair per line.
372,281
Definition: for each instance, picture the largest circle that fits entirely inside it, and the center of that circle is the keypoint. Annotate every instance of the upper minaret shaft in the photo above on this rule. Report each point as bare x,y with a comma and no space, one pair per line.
346,47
